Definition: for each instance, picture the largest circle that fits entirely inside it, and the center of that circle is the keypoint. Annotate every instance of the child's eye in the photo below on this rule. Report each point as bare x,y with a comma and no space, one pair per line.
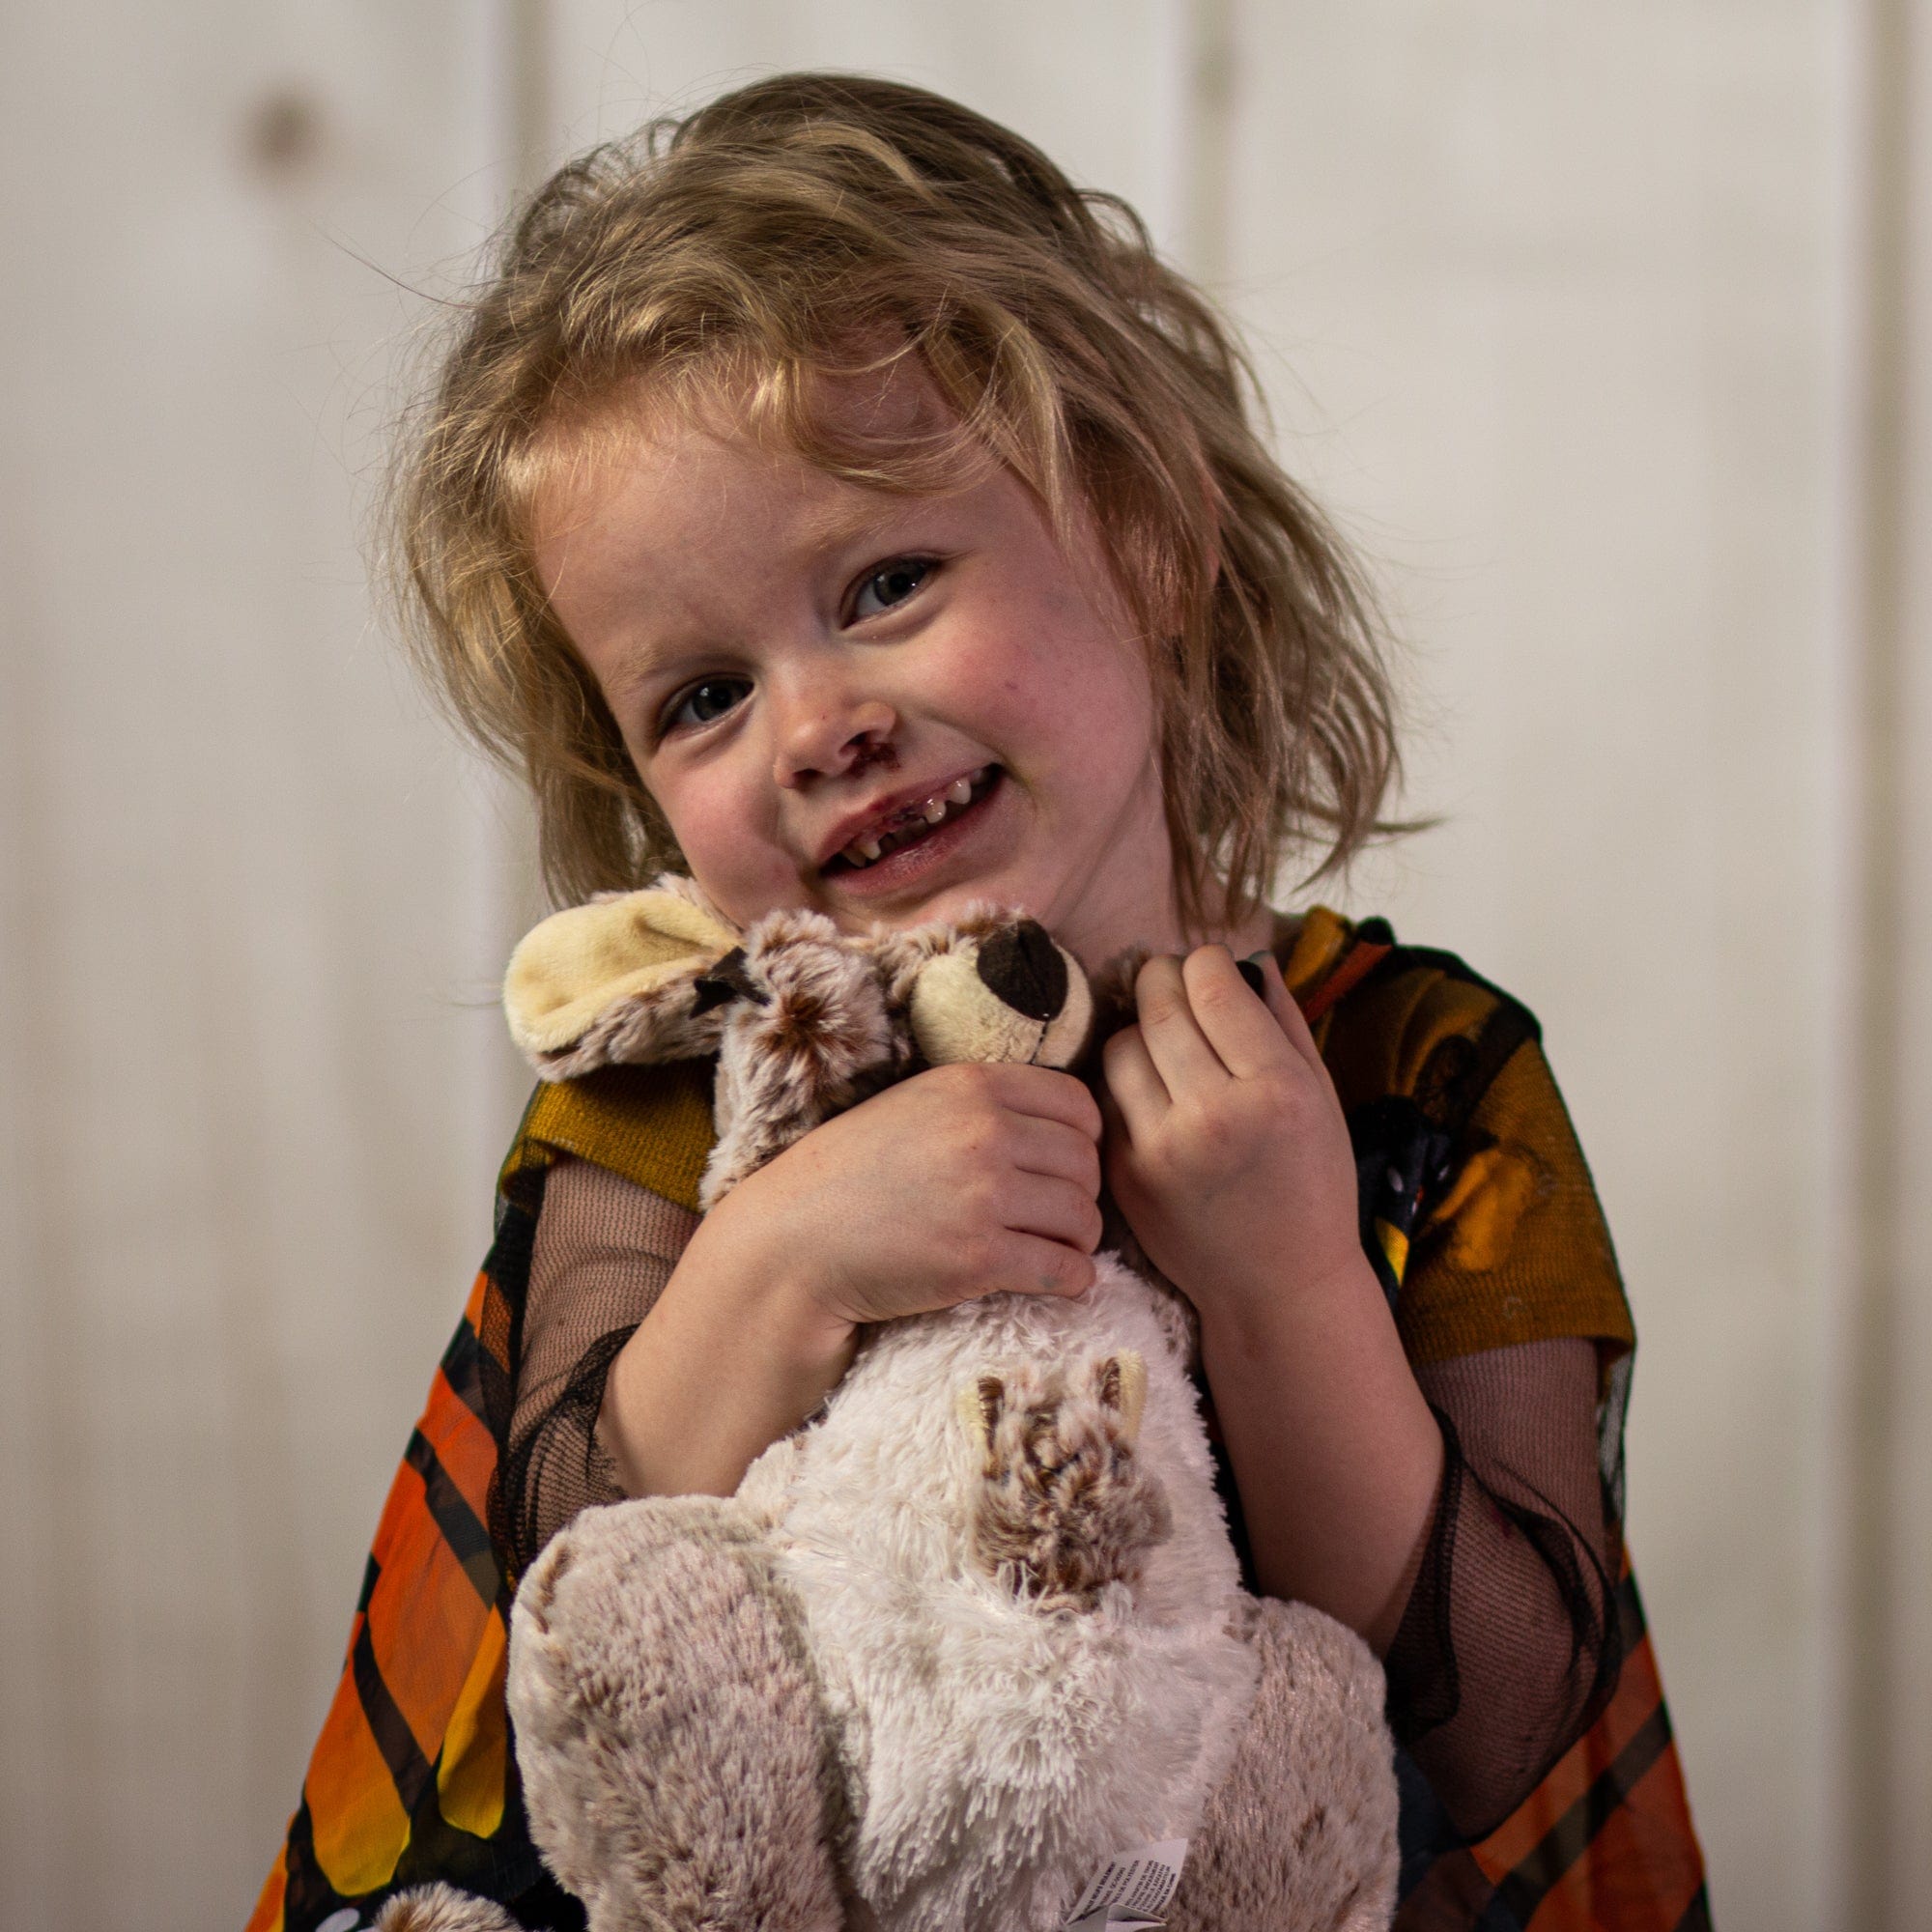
703,703
889,585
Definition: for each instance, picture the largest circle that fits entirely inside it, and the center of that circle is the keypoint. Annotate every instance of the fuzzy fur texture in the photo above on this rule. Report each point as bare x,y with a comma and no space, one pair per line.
980,1626
1004,1742
1301,1831
576,984
679,1770
818,1041
1065,1506
440,1907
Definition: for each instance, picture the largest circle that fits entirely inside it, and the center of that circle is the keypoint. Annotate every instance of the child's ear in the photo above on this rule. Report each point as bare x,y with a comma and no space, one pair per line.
637,952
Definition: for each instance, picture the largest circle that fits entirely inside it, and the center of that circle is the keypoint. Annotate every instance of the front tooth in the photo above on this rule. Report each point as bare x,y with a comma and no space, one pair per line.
960,791
935,810
870,847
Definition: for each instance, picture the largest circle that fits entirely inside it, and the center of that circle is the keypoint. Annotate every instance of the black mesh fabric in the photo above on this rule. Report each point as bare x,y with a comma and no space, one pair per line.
604,1248
1508,1644
556,1466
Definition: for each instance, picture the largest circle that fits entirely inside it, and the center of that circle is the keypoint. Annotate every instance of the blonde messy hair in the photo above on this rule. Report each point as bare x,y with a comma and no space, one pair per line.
782,234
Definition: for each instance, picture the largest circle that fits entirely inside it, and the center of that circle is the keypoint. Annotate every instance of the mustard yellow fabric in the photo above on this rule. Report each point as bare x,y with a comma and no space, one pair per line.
651,1124
1517,1249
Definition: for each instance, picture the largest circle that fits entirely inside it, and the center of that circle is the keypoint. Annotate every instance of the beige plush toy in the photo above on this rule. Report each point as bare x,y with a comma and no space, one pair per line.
977,1628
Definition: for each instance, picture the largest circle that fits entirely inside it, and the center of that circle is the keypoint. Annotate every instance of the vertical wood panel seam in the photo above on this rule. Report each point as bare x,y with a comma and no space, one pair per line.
67,1729
1871,1825
1209,159
516,892
529,27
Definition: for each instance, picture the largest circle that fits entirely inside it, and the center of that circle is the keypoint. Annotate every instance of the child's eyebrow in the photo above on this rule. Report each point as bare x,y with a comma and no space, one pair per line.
842,524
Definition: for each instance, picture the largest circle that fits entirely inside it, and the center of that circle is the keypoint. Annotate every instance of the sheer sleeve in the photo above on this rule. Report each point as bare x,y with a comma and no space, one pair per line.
1508,1644
1513,1314
604,1247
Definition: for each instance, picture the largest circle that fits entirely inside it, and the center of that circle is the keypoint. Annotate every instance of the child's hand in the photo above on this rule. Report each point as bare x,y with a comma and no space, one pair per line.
954,1183
1226,1146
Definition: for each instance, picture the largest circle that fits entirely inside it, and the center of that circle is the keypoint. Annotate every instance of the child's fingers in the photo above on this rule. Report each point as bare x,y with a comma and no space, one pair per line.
1055,1149
1044,1091
1246,1036
1033,1265
1134,1093
1183,1055
1054,1210
1287,1014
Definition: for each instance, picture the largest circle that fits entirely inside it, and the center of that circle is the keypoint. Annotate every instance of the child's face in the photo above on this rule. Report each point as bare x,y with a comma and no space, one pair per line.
797,662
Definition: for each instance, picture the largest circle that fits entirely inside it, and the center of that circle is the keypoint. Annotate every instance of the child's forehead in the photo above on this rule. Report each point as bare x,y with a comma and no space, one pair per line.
664,526
866,431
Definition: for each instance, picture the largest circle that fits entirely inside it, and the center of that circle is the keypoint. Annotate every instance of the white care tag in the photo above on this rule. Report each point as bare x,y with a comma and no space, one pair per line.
1131,1889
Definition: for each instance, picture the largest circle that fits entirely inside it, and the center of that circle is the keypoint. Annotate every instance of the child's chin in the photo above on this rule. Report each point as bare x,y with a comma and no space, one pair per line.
953,902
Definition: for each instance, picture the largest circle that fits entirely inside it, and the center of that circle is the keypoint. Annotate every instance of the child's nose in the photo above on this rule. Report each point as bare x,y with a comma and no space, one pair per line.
820,736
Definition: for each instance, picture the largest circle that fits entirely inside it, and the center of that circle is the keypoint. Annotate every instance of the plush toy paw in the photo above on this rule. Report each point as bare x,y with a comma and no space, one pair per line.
441,1908
1301,1836
676,1766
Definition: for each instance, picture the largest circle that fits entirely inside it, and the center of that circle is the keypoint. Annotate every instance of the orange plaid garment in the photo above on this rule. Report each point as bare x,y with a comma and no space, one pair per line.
415,1777
1604,1844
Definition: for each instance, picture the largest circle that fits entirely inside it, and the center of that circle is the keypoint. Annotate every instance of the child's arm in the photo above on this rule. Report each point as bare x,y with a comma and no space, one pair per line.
1231,1163
960,1181
1230,1150
661,1353
603,1249
1510,1641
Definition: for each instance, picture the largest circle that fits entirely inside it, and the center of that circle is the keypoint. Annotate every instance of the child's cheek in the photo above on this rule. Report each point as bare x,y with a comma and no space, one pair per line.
730,856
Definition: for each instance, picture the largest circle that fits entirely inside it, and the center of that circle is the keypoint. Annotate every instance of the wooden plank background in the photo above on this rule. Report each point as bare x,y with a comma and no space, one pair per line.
1601,330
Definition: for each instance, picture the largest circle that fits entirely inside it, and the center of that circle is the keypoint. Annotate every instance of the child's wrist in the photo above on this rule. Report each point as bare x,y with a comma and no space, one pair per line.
1250,1307
819,1337
781,1298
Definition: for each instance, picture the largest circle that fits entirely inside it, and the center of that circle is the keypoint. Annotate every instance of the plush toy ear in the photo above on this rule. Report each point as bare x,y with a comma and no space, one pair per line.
579,964
978,1407
1121,1383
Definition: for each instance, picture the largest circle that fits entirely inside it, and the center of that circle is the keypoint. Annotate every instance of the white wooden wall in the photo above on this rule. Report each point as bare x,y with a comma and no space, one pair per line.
248,1105
1552,305
1603,329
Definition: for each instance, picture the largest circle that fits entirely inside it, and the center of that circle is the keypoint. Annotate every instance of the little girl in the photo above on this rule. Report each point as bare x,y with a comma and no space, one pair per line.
828,501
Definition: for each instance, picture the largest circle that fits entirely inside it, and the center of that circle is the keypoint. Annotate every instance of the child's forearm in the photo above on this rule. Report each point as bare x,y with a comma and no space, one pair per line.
1335,1452
732,1356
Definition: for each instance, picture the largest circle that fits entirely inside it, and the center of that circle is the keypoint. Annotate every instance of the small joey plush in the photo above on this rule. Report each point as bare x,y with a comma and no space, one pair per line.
977,1627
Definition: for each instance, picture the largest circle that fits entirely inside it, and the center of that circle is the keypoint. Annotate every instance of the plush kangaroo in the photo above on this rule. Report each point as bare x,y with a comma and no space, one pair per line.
977,1628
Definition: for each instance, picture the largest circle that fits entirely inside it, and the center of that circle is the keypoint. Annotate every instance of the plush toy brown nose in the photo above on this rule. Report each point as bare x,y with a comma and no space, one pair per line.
1023,966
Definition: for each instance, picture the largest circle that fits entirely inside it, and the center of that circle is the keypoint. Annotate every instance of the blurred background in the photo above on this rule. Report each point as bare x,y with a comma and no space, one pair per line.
1607,331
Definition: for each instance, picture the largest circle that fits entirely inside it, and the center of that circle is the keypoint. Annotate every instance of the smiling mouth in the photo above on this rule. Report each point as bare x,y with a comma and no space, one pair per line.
916,822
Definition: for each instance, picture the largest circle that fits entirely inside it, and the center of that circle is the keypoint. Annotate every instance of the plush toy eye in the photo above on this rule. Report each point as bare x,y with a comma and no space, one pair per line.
729,979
